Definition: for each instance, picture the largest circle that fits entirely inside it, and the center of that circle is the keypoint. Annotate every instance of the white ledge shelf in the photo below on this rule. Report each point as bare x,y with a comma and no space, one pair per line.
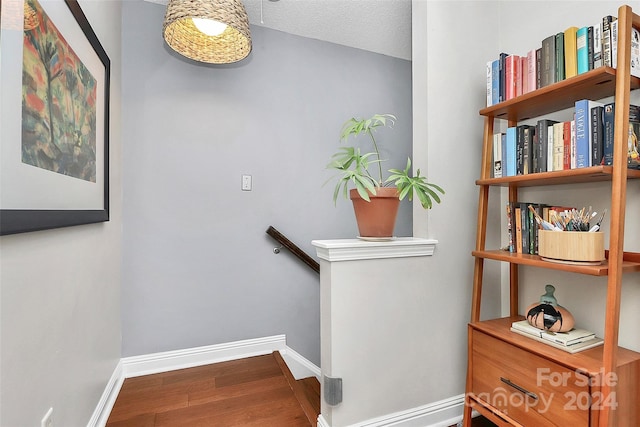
358,249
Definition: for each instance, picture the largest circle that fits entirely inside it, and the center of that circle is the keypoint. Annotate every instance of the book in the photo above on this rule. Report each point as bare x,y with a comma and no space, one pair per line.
535,152
518,235
635,52
519,150
550,137
531,71
597,45
570,54
566,153
497,155
538,68
608,116
527,149
635,49
606,40
573,144
582,58
614,44
489,83
501,74
521,80
633,156
495,82
503,145
524,218
510,153
542,128
574,336
590,46
558,146
510,228
633,132
594,342
511,72
559,57
597,135
583,132
548,61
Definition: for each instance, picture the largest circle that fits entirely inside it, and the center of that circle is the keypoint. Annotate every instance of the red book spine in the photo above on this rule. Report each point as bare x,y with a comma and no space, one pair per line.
566,134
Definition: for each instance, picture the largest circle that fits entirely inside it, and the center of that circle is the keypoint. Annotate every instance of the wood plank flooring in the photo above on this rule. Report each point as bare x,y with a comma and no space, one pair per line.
254,392
248,392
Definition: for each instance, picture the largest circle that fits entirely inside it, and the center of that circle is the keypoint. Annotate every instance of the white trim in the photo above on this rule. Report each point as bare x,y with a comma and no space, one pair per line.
357,249
154,363
108,399
179,359
436,414
322,422
299,366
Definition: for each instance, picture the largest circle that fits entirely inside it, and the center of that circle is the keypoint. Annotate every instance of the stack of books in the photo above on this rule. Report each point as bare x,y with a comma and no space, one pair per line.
561,55
572,342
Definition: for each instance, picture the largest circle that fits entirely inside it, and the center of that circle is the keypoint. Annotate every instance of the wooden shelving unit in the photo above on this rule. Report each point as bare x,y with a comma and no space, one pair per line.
502,360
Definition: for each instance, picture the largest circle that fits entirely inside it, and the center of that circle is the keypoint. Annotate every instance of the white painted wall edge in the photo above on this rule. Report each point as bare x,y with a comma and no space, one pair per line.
437,414
358,249
135,366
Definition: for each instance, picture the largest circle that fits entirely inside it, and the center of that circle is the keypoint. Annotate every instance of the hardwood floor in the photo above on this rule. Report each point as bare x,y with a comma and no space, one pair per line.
253,392
257,391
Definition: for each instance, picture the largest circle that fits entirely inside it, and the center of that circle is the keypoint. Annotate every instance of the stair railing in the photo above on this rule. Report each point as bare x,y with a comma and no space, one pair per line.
293,248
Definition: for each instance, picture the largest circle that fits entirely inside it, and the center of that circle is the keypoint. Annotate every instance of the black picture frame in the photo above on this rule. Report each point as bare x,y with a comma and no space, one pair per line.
13,221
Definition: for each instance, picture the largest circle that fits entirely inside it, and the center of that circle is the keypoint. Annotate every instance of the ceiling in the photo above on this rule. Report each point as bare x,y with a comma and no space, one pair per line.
381,26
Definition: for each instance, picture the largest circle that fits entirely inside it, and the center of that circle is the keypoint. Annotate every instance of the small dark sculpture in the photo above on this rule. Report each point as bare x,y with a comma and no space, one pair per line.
548,315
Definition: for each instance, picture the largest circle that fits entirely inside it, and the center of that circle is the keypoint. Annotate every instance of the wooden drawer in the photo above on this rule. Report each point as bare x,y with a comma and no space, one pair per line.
530,389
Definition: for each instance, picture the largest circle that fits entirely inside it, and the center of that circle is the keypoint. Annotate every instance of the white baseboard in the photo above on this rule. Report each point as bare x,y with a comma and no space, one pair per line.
108,399
179,359
299,366
436,414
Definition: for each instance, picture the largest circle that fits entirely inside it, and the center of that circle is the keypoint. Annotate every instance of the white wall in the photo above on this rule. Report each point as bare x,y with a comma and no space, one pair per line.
448,91
60,292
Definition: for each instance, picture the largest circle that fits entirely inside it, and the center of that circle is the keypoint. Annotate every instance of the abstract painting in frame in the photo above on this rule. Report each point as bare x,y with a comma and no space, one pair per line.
54,146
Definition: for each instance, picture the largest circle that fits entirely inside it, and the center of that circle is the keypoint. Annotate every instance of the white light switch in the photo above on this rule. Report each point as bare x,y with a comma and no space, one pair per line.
246,182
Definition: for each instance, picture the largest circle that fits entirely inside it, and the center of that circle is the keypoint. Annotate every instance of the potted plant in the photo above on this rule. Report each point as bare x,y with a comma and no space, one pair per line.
377,194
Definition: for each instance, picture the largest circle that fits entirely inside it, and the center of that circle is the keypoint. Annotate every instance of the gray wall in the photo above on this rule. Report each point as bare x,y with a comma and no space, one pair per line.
60,305
198,267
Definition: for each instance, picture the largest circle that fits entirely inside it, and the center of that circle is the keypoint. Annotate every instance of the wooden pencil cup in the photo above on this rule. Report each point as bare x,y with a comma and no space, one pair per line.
580,247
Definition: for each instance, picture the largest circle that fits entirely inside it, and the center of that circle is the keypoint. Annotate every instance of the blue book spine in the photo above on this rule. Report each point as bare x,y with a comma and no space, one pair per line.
511,151
582,49
495,82
583,154
503,143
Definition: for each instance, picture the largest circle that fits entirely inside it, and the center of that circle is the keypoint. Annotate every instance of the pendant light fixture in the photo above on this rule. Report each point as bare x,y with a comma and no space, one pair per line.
211,31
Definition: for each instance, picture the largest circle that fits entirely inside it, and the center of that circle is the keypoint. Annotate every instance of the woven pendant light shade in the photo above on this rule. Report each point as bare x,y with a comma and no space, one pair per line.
232,45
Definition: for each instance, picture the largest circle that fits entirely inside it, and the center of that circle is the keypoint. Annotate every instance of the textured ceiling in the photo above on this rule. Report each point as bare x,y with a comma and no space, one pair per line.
381,26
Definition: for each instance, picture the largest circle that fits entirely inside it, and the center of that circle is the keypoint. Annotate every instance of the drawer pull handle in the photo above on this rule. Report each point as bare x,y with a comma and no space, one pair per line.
520,389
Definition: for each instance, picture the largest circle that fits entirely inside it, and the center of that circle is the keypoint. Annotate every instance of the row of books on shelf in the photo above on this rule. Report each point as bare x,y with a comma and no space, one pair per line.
560,56
522,227
572,341
550,145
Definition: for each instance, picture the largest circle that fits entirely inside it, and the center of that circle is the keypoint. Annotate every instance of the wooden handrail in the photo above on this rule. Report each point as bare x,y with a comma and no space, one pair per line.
302,255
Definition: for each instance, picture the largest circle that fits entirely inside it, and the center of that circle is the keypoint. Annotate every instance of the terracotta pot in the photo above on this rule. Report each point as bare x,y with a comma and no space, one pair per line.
376,218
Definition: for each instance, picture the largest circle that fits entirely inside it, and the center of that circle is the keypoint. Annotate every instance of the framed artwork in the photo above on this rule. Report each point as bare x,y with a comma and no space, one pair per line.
54,122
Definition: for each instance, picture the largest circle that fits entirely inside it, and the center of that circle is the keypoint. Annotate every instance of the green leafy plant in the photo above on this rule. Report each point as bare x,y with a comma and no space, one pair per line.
354,165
